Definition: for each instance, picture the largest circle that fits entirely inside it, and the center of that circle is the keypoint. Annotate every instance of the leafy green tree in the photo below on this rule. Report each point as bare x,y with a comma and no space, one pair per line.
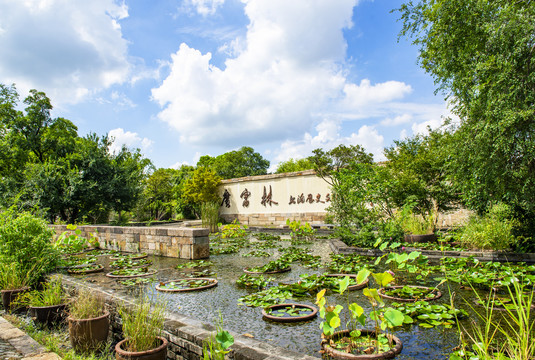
480,54
201,188
159,193
416,173
327,163
294,165
236,163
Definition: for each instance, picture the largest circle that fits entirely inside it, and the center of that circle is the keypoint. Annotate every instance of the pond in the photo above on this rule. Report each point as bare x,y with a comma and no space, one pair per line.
222,301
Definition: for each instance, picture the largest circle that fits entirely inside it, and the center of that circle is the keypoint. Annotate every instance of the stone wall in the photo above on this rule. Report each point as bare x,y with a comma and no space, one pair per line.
181,242
186,335
268,200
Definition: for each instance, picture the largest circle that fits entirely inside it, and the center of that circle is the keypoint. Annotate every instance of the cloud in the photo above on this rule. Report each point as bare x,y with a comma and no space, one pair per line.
397,120
68,49
328,136
127,138
205,7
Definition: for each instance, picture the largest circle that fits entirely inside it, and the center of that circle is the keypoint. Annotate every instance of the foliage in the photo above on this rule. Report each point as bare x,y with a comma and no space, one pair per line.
87,305
292,165
428,316
142,323
210,215
185,284
215,347
492,231
71,241
12,276
253,281
159,194
236,163
271,296
26,240
200,188
384,317
52,294
195,264
415,224
300,231
485,66
233,231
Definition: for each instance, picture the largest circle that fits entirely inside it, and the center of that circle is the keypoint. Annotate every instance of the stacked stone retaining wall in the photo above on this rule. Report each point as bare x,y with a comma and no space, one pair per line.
180,242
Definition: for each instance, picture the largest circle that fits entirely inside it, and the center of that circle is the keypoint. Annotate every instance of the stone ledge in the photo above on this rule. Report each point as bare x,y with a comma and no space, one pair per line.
24,344
339,247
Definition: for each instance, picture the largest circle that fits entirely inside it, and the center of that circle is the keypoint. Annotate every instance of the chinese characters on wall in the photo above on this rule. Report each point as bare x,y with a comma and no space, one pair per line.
267,198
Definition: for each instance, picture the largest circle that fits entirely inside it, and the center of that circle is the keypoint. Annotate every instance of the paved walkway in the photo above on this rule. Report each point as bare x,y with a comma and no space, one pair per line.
15,344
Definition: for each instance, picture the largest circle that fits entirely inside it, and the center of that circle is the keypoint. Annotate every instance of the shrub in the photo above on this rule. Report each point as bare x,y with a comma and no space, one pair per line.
26,239
493,231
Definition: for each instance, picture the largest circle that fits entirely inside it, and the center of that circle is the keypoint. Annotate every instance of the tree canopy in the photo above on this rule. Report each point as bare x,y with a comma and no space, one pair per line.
236,163
294,165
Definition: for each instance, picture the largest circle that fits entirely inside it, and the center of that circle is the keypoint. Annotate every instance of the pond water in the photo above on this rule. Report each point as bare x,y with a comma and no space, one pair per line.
222,300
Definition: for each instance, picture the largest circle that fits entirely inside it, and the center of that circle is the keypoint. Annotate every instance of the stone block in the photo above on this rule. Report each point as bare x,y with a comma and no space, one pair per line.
201,240
185,251
201,252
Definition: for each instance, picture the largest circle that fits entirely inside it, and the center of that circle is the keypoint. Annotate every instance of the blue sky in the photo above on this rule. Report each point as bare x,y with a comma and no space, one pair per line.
181,79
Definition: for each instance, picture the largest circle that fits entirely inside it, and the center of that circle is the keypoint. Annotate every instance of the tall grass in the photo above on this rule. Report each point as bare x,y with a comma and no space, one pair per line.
87,305
210,215
52,294
142,323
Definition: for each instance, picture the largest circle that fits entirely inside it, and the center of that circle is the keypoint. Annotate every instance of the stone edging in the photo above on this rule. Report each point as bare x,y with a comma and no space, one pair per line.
186,335
339,247
23,343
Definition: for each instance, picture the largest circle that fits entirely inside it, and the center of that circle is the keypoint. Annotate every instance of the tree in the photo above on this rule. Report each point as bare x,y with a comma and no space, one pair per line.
480,54
159,193
200,188
236,163
294,165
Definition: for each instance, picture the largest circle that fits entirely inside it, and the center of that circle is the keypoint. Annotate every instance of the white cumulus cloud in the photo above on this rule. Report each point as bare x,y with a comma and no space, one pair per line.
127,138
69,49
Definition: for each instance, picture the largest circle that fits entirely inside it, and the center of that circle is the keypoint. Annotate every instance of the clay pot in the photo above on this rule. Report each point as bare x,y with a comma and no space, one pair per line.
89,334
159,353
337,354
48,315
9,296
425,238
289,318
436,294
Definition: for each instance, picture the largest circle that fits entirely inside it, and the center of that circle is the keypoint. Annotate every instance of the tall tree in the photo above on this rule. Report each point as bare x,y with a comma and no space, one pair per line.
294,165
481,55
236,163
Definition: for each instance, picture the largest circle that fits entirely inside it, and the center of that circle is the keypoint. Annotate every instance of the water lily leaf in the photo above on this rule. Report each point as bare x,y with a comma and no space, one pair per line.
320,296
383,279
225,339
344,283
394,317
362,275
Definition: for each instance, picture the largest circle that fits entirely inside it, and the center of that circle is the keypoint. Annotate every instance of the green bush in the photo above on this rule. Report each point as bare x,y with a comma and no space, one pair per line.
493,231
26,239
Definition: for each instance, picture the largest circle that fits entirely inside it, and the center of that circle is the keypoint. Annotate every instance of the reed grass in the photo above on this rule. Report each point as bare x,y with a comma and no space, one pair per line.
87,305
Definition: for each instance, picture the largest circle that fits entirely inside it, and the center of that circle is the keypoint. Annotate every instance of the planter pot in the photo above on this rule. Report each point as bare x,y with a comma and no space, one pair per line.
211,283
289,318
247,271
81,271
9,296
48,315
425,238
148,273
337,354
437,294
159,353
89,334
362,285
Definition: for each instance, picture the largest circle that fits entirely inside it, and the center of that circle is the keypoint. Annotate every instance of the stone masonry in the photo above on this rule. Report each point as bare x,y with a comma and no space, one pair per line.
180,242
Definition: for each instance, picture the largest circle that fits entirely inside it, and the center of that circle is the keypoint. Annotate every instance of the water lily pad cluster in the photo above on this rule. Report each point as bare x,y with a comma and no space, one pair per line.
428,316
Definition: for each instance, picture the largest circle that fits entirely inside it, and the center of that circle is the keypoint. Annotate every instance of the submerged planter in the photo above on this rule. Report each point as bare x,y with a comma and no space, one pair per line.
425,238
9,296
362,285
159,353
338,354
309,312
247,271
147,273
210,283
48,315
86,269
89,334
435,294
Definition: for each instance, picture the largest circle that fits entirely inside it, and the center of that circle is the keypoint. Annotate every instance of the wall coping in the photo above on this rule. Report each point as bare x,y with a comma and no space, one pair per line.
339,247
268,177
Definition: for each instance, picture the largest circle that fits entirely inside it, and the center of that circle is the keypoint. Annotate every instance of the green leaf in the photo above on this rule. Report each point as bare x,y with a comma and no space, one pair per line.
225,339
343,284
394,317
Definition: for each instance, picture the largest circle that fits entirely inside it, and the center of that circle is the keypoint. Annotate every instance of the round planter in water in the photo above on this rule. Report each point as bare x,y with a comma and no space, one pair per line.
158,353
48,315
362,285
9,296
89,334
210,283
131,256
148,273
436,294
302,312
82,270
338,354
267,272
425,238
